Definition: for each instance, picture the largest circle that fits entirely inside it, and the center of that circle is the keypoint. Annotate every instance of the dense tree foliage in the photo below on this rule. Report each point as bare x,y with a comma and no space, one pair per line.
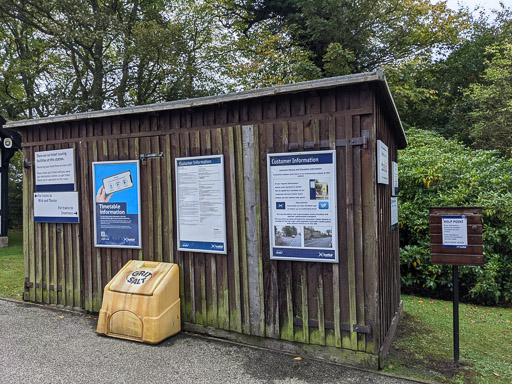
439,172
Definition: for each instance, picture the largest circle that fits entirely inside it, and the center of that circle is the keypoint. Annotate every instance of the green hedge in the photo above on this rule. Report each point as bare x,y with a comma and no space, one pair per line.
436,172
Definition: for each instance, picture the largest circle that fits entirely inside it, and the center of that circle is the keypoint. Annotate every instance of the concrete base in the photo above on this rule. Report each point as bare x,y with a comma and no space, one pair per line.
4,241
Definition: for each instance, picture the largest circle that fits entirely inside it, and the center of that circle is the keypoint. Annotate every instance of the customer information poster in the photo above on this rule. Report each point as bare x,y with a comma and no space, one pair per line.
302,206
201,208
116,191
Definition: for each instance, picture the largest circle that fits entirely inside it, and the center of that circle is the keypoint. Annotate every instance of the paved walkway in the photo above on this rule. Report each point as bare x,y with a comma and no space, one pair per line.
45,345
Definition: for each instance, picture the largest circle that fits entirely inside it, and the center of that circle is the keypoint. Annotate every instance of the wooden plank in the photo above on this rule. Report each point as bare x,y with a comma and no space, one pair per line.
351,263
271,286
372,265
235,292
221,263
358,232
86,224
444,259
167,205
256,277
157,201
244,133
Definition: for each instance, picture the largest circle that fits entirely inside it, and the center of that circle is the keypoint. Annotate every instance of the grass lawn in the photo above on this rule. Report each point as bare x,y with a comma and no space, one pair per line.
423,347
11,267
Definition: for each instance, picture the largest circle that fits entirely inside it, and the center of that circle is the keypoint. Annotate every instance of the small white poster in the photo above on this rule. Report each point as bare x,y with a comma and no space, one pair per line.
394,172
394,212
55,170
56,207
382,163
455,232
302,206
201,208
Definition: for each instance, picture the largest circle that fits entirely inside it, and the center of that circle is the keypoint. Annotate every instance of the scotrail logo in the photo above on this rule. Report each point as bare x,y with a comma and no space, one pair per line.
326,254
278,252
217,247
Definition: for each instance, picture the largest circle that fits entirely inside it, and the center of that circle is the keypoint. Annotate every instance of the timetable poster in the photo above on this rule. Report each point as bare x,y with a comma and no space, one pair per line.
116,190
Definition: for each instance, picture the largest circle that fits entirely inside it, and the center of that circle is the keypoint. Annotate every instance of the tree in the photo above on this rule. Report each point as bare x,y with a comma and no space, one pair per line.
360,35
492,100
98,54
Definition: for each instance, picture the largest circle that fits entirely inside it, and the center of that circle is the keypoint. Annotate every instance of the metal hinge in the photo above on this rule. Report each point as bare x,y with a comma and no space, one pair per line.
363,140
144,156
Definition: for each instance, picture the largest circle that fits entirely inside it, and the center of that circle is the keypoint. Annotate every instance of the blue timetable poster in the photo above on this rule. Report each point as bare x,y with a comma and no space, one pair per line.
302,206
116,199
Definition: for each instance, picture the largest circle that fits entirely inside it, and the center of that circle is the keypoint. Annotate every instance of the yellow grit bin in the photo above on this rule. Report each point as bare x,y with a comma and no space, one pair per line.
142,303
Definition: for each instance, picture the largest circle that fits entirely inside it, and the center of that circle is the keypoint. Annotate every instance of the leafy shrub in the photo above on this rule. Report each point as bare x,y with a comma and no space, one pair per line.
436,172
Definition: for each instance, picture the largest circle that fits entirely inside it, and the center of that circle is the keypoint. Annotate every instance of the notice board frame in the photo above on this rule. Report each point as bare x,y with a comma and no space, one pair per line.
472,253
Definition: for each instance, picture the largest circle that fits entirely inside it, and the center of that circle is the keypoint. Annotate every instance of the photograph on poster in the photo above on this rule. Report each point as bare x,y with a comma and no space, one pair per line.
201,208
117,216
287,236
302,206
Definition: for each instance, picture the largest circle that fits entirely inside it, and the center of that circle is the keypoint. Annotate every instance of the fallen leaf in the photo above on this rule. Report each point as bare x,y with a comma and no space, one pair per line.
390,367
496,374
431,302
420,301
297,358
61,317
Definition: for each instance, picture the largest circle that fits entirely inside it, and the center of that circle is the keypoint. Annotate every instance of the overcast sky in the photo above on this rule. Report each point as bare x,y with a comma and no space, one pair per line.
487,4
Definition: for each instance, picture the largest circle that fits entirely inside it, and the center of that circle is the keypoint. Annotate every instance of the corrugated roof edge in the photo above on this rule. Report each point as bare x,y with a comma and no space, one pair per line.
377,76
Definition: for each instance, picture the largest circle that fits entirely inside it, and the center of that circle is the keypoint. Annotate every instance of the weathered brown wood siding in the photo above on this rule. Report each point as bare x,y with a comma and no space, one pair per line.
347,305
388,245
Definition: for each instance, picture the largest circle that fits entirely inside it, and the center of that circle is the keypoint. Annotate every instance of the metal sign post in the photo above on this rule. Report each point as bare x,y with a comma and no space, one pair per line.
456,239
456,316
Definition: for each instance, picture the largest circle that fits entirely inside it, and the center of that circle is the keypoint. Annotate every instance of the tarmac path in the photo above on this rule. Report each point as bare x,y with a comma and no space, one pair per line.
41,344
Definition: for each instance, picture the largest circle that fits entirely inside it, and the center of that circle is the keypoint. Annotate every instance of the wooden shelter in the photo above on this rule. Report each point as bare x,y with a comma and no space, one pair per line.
346,311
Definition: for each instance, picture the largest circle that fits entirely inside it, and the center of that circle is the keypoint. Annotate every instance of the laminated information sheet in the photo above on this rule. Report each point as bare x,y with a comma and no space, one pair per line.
201,208
302,206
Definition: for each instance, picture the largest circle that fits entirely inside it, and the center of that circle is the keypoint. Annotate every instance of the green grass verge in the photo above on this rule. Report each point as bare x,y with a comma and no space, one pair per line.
424,344
11,267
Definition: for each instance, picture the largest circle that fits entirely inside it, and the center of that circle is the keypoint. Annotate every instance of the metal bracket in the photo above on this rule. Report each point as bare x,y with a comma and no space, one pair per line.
28,283
144,156
366,329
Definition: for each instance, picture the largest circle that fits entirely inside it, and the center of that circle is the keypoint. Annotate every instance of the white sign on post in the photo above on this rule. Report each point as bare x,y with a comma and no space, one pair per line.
382,163
394,173
394,212
201,208
302,206
455,232
55,170
56,207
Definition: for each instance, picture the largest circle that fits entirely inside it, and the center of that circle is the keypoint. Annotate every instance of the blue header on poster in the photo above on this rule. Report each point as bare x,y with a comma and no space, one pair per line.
202,245
310,254
184,163
324,158
55,188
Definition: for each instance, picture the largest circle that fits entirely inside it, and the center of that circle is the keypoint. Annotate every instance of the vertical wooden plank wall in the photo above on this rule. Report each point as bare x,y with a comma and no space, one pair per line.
388,241
337,305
